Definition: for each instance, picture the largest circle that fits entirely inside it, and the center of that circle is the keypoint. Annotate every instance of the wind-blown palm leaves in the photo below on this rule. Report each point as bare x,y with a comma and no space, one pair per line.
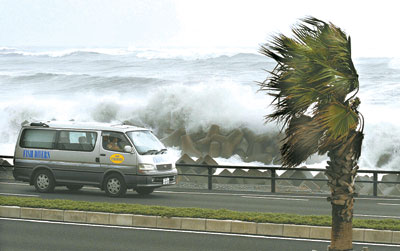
312,86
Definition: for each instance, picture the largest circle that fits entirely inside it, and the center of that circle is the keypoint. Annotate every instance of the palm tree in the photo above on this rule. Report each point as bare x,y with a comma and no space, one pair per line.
314,86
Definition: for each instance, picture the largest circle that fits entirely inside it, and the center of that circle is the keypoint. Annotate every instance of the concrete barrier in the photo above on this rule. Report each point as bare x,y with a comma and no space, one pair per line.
193,224
219,225
393,190
358,234
270,229
396,237
309,185
243,227
257,173
53,214
379,236
296,231
320,233
10,211
98,218
172,222
31,213
212,225
320,175
219,180
300,175
75,216
368,189
144,221
121,219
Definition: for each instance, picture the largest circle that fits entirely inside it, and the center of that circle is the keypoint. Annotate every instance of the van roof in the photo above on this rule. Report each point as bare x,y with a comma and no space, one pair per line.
86,126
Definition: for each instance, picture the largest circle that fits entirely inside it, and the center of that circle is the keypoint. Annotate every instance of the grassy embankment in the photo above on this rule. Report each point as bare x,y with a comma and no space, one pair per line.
316,220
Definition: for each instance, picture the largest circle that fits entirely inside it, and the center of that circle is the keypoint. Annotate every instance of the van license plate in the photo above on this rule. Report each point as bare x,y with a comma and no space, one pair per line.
165,181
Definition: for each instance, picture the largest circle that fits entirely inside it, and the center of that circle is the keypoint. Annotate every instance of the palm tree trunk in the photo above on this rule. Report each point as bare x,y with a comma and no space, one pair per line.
341,172
342,231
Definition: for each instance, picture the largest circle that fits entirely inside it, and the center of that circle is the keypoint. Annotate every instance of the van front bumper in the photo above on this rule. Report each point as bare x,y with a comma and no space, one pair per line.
152,181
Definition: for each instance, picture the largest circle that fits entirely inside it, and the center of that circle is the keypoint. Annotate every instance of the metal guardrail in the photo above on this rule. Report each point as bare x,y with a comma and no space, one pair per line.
273,177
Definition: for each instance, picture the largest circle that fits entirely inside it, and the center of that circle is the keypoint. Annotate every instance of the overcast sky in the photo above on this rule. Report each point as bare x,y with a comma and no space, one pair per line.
373,25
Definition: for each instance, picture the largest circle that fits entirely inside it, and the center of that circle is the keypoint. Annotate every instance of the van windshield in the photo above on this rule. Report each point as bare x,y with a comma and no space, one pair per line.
145,142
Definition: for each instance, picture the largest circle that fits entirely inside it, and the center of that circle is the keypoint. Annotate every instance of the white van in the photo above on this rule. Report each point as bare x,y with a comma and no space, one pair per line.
112,157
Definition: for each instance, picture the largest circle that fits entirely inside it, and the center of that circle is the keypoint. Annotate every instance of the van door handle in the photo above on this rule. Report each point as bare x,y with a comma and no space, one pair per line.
103,154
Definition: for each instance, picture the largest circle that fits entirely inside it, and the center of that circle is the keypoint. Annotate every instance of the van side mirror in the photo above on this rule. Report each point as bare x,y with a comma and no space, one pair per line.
128,149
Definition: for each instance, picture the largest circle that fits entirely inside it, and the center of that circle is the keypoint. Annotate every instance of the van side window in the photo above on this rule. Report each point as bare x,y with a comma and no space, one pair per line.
38,138
76,141
114,141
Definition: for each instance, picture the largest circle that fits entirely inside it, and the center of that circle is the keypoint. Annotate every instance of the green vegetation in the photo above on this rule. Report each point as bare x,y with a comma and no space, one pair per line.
222,214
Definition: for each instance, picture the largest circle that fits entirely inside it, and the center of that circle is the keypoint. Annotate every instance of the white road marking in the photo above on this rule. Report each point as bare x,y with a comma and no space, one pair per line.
270,195
18,194
18,184
377,216
377,198
258,196
192,232
234,194
388,204
272,198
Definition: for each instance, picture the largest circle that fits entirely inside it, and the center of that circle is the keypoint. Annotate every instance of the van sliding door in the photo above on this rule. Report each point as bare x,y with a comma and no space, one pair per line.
76,154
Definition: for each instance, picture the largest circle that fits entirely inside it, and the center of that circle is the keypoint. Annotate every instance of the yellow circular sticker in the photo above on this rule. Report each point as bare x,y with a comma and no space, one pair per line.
117,158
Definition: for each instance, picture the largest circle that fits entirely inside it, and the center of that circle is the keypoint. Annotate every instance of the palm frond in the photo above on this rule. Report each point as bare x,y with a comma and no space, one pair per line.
314,72
301,141
338,120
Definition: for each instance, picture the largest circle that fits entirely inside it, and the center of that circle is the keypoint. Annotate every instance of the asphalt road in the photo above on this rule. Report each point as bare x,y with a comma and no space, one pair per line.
41,235
240,201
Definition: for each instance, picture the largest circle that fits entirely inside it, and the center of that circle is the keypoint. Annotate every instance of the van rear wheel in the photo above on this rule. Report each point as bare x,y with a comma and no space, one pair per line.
115,185
44,181
144,190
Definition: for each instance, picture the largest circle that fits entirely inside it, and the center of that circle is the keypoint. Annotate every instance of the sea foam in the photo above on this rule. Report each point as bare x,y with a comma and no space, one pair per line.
167,89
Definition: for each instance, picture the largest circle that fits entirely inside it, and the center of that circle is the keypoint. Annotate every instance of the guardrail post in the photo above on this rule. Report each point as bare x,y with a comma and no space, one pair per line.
210,178
273,174
375,184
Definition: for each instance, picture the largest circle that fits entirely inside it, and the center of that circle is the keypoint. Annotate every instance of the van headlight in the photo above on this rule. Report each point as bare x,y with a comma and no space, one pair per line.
146,168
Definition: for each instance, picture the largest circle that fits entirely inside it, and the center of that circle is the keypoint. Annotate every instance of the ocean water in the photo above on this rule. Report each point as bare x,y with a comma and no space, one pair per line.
166,89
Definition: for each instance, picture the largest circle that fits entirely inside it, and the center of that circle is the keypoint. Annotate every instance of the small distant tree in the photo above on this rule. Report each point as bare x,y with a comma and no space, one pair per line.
314,85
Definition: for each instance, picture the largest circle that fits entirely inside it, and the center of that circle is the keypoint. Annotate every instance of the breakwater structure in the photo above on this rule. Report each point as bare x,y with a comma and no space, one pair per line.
6,167
215,143
198,168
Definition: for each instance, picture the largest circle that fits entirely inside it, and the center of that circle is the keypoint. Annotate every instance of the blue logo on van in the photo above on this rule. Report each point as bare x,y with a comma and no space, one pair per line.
36,154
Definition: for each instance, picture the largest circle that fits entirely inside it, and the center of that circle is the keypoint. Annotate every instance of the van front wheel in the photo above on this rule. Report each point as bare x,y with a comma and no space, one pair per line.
115,185
44,181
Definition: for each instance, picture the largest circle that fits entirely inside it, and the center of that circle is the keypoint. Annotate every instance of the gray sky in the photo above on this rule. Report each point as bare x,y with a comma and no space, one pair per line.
373,25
